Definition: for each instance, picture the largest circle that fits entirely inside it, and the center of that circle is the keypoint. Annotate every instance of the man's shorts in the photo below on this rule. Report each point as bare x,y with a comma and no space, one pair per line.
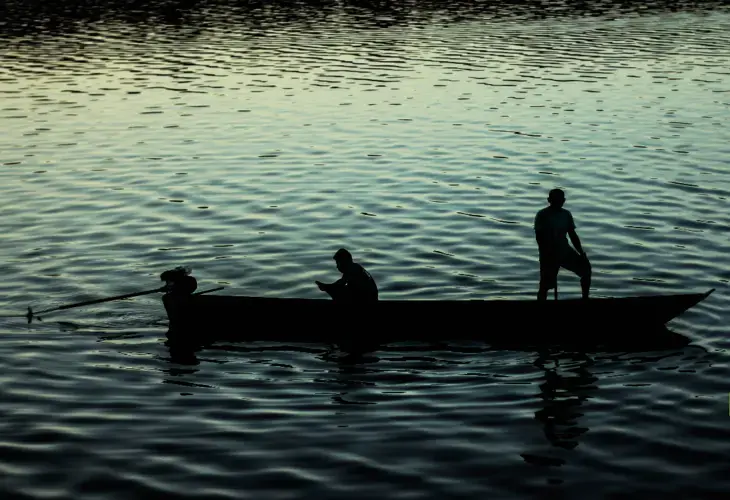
568,259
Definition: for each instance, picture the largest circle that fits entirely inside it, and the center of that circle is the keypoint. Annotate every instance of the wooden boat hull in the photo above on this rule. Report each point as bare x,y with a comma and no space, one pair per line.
209,317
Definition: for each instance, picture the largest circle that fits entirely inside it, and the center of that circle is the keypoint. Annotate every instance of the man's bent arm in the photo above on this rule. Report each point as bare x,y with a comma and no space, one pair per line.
340,282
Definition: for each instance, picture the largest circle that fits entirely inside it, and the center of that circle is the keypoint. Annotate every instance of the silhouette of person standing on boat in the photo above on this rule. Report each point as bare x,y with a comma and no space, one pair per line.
552,224
356,284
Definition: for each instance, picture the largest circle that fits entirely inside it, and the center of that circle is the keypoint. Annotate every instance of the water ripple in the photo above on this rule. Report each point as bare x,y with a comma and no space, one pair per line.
251,142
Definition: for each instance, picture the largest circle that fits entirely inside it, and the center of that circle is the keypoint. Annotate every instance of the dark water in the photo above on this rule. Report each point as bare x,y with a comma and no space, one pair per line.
250,142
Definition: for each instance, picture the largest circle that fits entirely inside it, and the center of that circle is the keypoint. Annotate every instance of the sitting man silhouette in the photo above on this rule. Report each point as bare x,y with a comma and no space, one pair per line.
356,284
178,281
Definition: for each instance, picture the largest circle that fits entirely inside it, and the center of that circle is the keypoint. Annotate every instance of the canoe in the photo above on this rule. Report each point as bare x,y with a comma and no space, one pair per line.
208,317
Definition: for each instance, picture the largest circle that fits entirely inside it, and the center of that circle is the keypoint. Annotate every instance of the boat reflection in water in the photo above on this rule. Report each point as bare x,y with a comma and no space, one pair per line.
356,377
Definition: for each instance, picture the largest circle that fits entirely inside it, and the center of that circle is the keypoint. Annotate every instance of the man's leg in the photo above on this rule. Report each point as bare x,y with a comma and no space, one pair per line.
585,280
581,267
548,277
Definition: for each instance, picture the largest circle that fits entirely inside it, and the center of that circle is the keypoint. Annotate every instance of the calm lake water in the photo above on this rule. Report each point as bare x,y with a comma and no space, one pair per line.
250,144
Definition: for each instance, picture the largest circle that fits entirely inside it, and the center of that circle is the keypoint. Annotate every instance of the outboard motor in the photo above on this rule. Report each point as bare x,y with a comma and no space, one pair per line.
178,281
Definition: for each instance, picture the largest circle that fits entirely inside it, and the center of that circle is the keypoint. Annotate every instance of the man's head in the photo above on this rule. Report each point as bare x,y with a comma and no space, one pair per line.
556,198
343,258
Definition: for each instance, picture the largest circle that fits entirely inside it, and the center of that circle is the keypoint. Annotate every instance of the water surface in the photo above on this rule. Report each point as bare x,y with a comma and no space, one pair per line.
252,143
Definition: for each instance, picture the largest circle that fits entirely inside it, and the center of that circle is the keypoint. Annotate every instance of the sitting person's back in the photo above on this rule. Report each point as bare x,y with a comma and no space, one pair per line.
359,283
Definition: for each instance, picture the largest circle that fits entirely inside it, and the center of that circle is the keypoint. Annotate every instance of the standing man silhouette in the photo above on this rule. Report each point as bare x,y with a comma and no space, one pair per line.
552,224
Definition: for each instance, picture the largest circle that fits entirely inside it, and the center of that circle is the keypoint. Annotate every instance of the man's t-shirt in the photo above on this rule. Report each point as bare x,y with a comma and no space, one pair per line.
360,283
555,224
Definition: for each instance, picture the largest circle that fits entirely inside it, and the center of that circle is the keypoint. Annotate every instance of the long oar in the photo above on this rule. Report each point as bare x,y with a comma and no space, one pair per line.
208,291
30,314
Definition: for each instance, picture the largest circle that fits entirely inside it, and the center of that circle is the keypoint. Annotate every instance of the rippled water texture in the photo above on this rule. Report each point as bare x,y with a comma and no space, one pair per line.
251,143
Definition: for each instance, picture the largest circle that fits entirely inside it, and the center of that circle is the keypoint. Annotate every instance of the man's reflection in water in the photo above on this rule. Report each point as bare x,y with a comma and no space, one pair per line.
183,355
353,362
568,383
